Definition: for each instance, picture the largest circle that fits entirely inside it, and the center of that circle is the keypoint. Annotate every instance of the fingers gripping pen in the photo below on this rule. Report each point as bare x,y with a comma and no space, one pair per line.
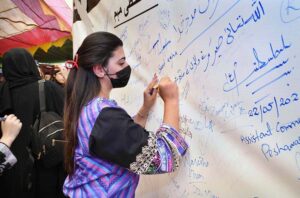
153,88
155,85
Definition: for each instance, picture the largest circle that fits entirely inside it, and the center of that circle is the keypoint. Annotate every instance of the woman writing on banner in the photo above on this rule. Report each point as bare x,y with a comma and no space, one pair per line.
107,150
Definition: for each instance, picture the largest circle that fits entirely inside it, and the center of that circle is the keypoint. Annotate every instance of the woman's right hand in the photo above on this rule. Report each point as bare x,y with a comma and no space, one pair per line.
168,90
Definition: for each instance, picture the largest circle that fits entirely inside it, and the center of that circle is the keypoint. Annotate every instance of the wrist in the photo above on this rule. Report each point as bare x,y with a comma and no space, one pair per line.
143,112
7,141
172,102
145,108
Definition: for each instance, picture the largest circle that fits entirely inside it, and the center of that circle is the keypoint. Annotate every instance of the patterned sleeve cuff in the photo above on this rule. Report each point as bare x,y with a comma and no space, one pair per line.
162,153
145,158
173,137
7,159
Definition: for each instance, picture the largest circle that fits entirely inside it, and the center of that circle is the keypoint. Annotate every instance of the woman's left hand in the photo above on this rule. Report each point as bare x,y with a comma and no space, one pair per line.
150,93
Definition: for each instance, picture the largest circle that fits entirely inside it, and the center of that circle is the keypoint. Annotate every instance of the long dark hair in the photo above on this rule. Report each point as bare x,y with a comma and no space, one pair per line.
83,85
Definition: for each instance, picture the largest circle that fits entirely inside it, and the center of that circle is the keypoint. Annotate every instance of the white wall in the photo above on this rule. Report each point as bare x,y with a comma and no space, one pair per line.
237,66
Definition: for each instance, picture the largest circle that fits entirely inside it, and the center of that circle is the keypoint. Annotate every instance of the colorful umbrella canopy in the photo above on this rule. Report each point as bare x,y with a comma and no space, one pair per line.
42,26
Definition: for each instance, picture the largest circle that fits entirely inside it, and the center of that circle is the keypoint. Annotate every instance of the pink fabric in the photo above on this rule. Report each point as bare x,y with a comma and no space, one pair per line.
33,9
30,38
62,10
47,30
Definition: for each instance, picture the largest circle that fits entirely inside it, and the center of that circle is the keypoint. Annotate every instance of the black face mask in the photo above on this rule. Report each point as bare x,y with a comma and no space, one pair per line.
122,77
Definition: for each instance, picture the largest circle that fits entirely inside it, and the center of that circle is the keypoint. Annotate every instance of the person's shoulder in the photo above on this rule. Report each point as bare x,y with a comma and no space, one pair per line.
114,110
114,113
52,85
52,88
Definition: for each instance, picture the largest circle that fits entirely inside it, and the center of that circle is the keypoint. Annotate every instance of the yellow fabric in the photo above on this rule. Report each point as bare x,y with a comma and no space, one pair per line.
46,46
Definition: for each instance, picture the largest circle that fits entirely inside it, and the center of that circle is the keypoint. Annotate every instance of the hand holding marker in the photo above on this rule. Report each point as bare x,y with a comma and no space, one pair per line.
154,87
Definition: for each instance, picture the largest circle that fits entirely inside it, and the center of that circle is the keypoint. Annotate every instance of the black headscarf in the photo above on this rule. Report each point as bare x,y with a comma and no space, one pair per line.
19,68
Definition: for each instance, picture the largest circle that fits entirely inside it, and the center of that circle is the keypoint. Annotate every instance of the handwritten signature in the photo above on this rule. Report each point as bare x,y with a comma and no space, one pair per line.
207,59
259,63
187,21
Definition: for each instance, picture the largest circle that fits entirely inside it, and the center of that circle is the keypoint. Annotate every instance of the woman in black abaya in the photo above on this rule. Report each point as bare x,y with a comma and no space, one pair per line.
19,95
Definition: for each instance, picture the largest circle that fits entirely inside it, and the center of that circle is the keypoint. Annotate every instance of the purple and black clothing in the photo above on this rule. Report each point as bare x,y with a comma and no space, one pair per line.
113,151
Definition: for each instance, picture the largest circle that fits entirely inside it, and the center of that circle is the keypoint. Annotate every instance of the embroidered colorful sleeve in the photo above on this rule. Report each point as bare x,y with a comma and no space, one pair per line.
162,154
117,138
7,159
